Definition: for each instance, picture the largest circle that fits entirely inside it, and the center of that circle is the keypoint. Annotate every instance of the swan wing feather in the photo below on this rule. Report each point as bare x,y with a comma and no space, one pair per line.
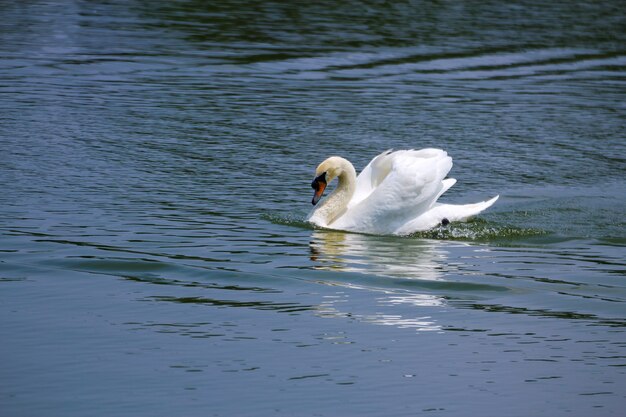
372,175
411,187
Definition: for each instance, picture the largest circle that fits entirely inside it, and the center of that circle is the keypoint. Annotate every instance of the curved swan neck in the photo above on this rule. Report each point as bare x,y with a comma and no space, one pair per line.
345,187
336,203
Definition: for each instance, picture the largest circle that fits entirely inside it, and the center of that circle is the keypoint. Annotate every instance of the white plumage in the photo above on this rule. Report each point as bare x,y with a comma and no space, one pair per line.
396,193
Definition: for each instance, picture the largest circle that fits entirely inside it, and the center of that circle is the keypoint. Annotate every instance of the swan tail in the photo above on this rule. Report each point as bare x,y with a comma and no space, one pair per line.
462,212
451,212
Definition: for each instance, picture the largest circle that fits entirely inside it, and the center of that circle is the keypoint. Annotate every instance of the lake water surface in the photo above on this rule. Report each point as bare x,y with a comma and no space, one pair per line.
155,169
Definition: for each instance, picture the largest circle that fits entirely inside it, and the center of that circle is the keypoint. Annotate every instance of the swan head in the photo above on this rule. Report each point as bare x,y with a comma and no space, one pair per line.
324,174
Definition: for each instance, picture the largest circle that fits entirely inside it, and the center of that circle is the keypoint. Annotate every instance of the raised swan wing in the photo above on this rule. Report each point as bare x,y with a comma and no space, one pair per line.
410,183
372,175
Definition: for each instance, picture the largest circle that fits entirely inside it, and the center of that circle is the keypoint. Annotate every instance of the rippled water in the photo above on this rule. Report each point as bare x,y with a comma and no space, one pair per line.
155,162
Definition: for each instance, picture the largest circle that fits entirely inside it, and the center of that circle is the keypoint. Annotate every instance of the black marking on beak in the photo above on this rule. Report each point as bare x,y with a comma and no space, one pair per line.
319,185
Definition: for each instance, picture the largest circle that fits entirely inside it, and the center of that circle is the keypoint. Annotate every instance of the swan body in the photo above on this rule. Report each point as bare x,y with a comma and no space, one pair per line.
396,193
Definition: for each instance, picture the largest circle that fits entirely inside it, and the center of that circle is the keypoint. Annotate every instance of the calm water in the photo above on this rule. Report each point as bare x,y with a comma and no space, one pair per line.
155,168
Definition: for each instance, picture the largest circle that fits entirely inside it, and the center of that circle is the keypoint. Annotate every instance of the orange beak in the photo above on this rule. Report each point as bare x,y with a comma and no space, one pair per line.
319,185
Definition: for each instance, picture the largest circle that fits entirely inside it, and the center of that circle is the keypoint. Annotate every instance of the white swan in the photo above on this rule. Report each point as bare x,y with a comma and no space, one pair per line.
396,193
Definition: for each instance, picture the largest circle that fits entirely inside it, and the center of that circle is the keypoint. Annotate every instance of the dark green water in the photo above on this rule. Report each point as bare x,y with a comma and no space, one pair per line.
155,169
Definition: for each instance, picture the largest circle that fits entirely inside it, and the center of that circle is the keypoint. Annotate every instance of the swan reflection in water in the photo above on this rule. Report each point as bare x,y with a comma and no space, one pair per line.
399,269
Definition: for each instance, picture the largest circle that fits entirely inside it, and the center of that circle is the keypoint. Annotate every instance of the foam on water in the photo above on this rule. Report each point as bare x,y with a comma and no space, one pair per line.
474,230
